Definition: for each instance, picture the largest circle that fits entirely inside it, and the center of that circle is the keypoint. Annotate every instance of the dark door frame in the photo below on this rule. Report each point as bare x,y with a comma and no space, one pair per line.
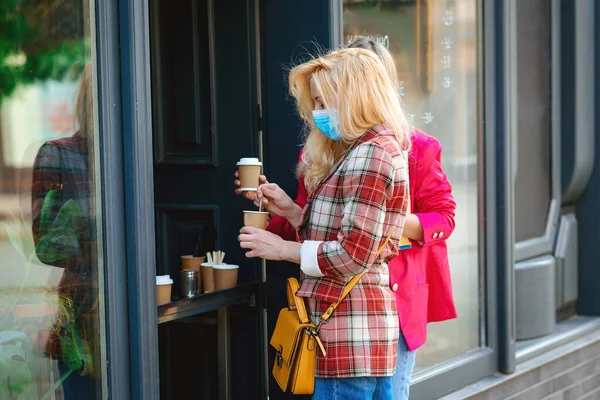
132,317
139,194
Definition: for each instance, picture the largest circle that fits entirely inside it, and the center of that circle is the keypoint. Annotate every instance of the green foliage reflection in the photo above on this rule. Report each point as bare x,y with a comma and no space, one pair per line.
41,40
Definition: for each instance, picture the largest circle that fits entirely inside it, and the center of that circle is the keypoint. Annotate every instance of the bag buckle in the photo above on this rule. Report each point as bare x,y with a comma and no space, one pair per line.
279,357
314,332
318,327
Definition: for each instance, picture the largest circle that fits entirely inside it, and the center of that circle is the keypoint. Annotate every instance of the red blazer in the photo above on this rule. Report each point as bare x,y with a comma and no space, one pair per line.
421,274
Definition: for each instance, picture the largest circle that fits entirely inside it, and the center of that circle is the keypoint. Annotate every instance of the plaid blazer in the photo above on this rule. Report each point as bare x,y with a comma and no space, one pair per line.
352,212
64,165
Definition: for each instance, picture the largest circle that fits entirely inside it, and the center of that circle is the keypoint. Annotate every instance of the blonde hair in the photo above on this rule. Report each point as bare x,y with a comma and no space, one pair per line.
384,55
366,96
84,107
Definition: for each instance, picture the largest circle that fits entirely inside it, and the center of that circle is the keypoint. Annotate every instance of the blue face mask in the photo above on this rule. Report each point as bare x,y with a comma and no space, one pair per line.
327,124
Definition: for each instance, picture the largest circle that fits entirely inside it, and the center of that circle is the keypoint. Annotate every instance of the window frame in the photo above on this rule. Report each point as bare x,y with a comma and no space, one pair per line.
583,119
138,198
578,29
107,68
544,244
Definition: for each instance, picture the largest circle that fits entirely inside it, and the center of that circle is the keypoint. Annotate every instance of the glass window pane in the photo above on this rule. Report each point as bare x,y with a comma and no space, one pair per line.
434,44
51,326
532,187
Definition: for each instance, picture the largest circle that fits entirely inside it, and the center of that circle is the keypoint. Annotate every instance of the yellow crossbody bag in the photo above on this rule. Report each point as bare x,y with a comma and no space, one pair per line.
296,339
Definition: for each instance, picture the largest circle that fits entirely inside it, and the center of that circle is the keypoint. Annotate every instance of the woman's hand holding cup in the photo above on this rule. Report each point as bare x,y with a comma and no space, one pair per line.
247,194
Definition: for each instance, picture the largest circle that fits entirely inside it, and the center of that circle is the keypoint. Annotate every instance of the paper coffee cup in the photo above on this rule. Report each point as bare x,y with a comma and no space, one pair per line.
164,283
249,173
257,219
208,277
191,262
225,276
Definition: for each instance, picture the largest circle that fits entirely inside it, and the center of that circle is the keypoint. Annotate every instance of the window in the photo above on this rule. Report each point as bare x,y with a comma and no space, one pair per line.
434,44
533,180
51,324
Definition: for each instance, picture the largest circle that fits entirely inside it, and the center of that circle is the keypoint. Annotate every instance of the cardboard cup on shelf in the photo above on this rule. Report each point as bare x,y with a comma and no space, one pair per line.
208,277
164,284
193,263
257,219
225,276
249,173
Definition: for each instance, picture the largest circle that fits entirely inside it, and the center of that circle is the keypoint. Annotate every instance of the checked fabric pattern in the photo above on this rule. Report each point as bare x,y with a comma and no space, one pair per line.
352,212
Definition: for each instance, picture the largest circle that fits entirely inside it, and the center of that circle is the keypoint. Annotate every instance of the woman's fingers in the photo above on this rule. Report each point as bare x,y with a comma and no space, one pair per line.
245,237
249,195
261,197
248,230
260,243
257,201
270,193
246,245
259,191
247,241
274,192
270,187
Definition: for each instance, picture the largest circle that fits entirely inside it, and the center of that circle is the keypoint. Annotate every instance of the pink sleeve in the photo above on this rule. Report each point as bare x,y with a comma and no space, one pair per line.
434,204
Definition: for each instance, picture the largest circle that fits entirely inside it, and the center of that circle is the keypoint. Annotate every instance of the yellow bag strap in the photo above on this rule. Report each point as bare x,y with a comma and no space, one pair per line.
350,286
295,302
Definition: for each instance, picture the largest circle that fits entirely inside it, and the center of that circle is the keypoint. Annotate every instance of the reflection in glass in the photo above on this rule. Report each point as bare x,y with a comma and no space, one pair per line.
51,331
434,45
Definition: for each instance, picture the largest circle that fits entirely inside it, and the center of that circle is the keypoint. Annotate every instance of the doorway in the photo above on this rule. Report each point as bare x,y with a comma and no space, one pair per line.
205,118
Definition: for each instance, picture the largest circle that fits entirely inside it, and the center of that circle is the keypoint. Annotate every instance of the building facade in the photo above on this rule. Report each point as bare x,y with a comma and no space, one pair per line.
120,127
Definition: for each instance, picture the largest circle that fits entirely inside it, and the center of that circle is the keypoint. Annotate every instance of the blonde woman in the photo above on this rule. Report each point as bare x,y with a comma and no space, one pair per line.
66,166
355,170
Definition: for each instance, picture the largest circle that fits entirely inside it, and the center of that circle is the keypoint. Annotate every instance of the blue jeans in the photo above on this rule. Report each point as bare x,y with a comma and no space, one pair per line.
404,369
362,388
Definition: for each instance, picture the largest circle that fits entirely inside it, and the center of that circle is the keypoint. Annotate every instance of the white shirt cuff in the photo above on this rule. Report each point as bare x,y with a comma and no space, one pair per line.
308,258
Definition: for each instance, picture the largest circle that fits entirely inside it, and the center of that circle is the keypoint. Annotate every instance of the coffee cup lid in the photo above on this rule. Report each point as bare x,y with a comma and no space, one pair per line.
249,161
225,266
164,280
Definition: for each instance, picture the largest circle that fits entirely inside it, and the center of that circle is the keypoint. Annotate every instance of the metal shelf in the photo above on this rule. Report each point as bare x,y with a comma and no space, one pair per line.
242,294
